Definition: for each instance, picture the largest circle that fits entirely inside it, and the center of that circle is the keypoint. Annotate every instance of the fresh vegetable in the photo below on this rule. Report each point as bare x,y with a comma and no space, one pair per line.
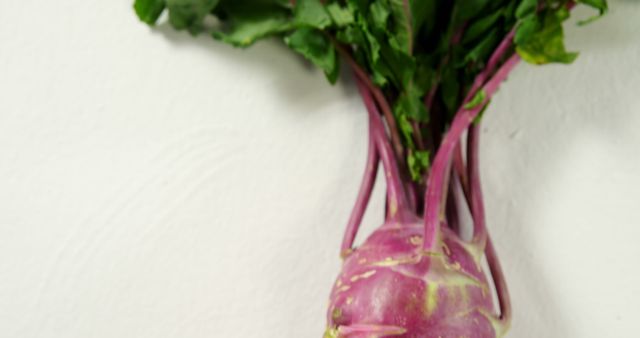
426,70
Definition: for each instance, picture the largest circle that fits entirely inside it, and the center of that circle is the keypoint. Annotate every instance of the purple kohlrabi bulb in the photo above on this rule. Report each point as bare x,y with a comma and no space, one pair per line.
391,287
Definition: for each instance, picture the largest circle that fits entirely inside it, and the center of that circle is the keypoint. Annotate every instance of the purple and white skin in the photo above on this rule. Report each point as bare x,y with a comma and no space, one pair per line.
415,277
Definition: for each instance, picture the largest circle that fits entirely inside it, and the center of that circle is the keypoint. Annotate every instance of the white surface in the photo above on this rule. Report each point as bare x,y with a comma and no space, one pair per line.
152,185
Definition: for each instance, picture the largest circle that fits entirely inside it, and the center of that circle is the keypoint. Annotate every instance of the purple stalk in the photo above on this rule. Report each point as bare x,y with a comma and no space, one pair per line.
481,235
412,195
417,135
364,195
475,190
459,166
475,204
379,97
428,100
497,55
396,196
453,215
433,214
437,179
500,283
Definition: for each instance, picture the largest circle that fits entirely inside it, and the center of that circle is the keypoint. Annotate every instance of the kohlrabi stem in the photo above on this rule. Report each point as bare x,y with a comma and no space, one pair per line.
417,132
431,94
481,235
495,59
438,177
434,213
364,195
398,207
500,283
453,215
428,99
398,149
461,172
476,202
472,146
412,194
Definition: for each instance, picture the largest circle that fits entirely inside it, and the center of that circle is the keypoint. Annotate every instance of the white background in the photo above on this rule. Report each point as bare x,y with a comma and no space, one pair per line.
153,185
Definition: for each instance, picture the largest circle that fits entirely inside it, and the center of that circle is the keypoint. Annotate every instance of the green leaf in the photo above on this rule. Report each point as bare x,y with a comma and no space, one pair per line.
425,76
371,45
483,49
526,8
358,5
401,30
368,52
341,16
468,9
400,65
481,26
541,41
385,63
450,89
477,99
379,14
371,42
149,11
248,27
189,14
312,13
406,129
245,5
379,79
423,13
406,47
410,103
351,35
316,47
419,163
527,29
600,5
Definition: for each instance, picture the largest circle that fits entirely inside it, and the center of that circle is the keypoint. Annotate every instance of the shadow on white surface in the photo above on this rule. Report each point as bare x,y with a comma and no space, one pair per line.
270,56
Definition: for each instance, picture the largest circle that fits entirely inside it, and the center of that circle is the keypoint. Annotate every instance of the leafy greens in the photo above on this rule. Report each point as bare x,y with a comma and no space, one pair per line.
423,55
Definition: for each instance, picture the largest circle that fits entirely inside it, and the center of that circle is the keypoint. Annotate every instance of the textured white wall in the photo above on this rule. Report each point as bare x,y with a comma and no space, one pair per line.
152,185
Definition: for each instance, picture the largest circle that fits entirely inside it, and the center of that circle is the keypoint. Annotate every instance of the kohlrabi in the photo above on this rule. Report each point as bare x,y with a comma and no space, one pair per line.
426,70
